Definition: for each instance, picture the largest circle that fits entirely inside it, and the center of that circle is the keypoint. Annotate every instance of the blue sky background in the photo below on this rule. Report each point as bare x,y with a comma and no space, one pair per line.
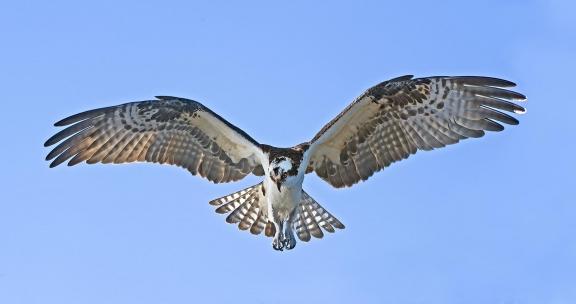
491,220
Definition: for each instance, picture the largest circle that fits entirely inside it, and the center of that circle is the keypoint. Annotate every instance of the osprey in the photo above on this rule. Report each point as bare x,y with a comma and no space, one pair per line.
387,123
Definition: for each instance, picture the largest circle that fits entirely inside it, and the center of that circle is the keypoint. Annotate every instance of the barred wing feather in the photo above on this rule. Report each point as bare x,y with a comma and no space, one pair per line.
396,118
169,130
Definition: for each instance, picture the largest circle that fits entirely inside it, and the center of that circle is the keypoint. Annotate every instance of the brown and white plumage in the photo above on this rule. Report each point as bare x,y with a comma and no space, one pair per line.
310,217
388,123
396,118
169,130
248,209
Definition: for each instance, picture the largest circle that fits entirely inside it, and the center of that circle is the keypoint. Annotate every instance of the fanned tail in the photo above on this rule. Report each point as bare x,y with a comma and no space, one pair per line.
311,217
247,208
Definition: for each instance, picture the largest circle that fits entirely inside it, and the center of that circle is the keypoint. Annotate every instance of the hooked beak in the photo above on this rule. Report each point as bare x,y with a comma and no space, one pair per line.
277,181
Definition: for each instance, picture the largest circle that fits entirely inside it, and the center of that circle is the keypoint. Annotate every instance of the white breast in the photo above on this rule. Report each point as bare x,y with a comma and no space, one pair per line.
282,203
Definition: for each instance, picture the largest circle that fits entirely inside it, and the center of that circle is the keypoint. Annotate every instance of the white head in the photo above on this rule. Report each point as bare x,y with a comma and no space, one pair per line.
283,171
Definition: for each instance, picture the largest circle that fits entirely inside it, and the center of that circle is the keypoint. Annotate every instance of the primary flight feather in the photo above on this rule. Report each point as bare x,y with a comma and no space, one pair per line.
388,123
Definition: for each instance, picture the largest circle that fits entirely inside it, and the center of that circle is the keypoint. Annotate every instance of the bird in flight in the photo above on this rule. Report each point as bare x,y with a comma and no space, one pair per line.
387,123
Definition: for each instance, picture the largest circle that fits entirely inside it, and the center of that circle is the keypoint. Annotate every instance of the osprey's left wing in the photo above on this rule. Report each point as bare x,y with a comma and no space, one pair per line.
396,118
169,130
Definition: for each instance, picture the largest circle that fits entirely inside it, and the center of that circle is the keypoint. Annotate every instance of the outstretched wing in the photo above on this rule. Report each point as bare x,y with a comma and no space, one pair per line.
169,130
396,118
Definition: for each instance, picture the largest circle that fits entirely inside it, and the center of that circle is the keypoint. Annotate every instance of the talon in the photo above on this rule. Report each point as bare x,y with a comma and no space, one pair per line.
289,242
288,238
278,245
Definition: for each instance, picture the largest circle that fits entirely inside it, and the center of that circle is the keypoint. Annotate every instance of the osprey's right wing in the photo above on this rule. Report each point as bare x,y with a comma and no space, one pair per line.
169,130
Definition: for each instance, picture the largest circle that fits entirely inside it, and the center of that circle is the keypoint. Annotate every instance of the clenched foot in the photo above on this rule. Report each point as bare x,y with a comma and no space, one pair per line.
289,240
284,238
278,244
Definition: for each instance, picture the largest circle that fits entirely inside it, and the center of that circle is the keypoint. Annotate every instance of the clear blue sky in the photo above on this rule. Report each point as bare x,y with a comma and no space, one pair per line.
486,221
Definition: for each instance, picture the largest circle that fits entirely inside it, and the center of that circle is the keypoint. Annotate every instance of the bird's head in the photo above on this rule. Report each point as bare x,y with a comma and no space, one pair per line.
282,170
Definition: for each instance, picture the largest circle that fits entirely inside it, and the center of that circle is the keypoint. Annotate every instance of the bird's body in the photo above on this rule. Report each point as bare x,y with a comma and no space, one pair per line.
283,194
388,123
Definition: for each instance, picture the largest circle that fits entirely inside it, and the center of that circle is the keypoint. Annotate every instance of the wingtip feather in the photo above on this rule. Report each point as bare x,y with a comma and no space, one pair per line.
485,80
82,116
522,111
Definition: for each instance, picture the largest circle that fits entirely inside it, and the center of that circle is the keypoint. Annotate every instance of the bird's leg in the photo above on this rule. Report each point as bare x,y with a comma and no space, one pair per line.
278,242
289,239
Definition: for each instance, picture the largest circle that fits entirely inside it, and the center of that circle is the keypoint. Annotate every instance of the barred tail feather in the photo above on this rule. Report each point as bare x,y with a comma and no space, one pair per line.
247,209
311,217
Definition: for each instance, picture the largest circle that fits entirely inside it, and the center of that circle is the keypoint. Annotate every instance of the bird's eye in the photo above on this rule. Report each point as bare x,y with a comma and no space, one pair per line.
284,175
275,170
